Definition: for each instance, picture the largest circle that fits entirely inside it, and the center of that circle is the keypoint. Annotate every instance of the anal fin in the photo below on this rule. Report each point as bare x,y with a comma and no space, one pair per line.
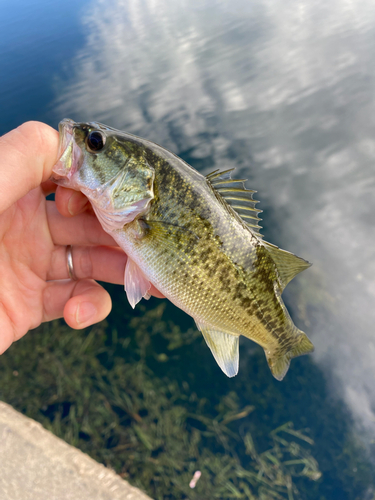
224,347
135,283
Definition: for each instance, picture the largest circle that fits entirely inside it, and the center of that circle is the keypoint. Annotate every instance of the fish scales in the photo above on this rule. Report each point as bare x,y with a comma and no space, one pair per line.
188,242
206,277
209,275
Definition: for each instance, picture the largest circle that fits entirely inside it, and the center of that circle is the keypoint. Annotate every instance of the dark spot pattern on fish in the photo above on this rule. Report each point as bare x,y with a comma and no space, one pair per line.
195,245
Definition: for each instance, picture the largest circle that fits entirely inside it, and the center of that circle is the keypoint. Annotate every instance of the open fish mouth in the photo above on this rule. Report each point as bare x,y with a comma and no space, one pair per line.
69,155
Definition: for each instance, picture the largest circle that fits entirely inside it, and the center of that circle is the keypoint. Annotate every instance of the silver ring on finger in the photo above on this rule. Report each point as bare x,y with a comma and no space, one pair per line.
69,263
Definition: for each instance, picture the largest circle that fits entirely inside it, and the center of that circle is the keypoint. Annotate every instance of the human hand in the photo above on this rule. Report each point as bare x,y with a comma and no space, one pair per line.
34,282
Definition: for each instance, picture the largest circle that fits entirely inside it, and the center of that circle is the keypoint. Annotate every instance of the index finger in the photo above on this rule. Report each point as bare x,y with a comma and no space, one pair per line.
27,156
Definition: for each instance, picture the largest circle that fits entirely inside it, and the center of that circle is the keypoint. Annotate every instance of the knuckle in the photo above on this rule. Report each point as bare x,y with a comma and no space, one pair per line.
33,132
85,268
92,228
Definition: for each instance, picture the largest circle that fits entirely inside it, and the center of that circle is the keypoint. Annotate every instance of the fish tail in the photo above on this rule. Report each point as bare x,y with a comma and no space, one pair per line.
279,359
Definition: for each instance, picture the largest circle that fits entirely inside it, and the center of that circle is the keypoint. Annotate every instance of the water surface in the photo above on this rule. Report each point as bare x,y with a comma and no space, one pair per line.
284,92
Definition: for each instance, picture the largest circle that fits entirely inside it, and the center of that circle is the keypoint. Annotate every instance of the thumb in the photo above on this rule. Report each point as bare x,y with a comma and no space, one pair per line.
27,155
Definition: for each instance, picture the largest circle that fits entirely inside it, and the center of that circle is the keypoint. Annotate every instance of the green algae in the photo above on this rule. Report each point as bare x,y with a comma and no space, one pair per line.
149,402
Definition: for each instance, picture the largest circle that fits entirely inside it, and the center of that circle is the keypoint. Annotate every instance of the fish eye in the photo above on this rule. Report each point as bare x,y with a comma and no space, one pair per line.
95,141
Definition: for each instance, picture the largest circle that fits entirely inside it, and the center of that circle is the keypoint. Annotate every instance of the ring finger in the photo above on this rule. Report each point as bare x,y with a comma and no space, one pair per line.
99,263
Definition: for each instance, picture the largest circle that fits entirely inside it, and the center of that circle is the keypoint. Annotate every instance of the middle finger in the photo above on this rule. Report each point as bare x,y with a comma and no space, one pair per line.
83,229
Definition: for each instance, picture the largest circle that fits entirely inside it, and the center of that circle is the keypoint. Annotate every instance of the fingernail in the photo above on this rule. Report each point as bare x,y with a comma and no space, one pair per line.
73,205
85,312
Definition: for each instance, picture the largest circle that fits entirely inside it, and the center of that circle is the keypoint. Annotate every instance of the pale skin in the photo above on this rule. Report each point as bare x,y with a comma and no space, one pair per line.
34,282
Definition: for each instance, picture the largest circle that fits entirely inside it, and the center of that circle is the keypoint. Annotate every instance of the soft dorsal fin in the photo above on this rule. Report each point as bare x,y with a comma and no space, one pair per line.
237,196
288,264
135,283
224,347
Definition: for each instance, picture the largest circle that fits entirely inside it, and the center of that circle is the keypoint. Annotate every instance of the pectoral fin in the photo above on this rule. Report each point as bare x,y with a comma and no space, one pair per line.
135,283
111,220
224,347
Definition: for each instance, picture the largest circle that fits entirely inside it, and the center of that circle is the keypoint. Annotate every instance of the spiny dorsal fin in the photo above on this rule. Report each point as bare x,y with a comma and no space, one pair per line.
237,196
288,264
224,347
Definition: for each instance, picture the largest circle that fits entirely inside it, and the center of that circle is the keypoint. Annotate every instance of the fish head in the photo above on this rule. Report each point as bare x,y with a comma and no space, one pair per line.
108,167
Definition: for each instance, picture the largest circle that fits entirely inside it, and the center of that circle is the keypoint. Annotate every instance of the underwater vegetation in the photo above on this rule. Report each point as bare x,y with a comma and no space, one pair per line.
146,400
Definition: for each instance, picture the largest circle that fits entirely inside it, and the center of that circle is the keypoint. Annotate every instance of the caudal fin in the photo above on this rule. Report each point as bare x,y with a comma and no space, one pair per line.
279,360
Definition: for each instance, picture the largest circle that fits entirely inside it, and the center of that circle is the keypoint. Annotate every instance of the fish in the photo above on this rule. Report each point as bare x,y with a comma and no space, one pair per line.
195,238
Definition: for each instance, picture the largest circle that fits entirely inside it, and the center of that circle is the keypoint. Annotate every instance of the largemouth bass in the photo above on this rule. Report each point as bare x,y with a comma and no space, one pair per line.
195,238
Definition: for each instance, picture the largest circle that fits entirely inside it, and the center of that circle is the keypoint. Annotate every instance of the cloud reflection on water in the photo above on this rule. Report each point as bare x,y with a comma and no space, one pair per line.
285,90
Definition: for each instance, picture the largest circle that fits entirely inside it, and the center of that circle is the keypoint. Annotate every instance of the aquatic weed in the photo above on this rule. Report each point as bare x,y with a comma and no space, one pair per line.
144,401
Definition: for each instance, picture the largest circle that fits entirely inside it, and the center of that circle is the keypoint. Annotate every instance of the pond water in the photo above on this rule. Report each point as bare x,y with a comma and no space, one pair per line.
284,92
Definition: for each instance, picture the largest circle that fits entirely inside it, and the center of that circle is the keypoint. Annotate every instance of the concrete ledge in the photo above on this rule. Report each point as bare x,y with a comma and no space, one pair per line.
36,465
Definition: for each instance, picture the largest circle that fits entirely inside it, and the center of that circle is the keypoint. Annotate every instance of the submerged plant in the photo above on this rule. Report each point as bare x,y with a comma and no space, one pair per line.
132,403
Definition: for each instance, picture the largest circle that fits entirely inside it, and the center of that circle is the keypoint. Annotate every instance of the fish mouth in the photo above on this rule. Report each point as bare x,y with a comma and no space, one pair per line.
69,155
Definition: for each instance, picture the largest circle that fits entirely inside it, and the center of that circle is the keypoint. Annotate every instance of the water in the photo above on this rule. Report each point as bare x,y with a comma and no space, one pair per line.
284,92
